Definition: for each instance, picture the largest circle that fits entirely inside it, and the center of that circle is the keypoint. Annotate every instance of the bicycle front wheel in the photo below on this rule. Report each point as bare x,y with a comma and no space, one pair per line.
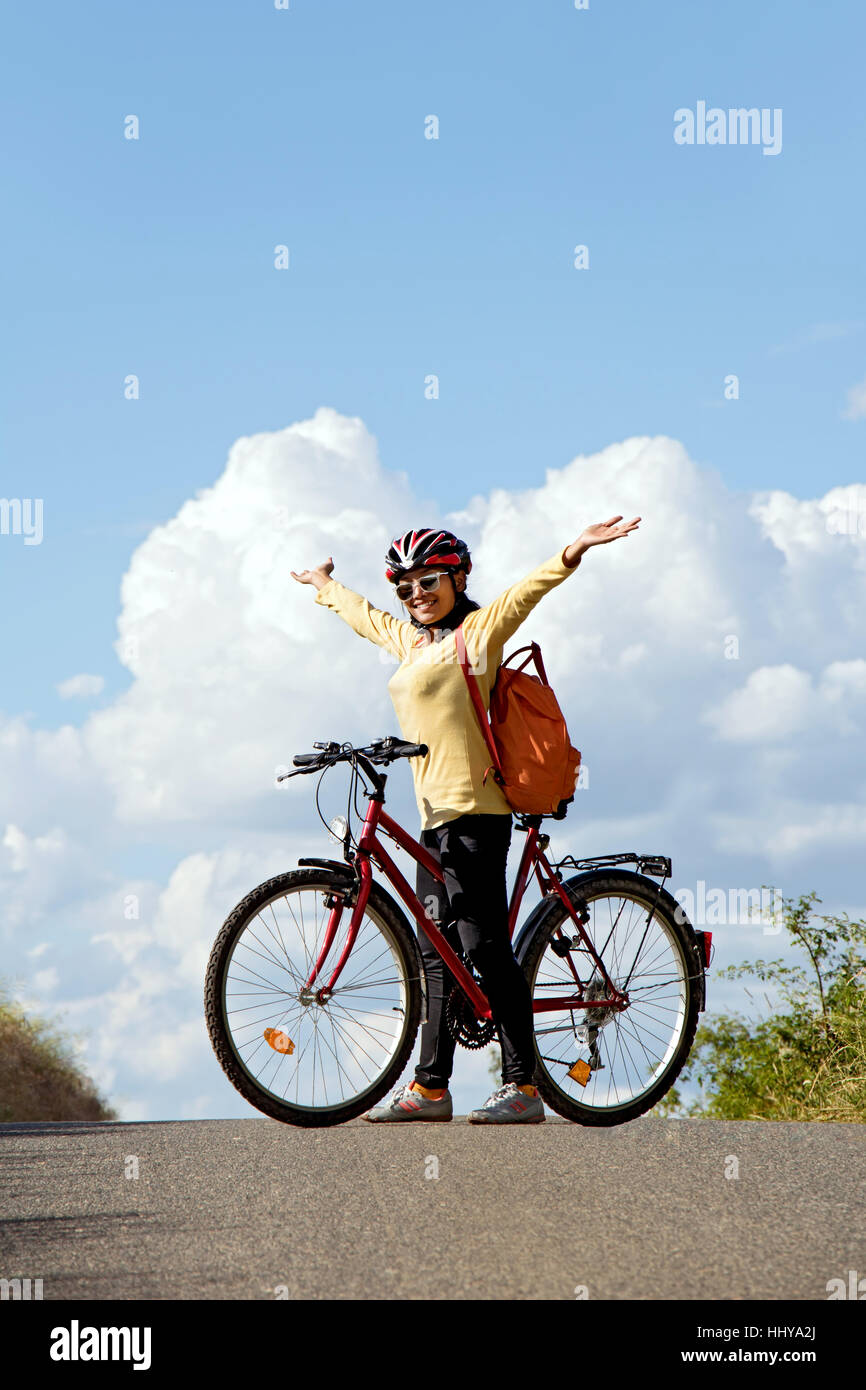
347,1050
623,1060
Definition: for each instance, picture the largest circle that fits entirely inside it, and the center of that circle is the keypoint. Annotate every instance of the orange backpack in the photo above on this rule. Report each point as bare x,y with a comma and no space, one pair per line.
534,761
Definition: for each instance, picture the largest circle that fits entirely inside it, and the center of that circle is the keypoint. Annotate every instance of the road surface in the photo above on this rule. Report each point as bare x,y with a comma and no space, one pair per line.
252,1209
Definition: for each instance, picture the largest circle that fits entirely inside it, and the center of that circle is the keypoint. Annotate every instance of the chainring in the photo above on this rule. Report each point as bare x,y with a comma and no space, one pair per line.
463,1025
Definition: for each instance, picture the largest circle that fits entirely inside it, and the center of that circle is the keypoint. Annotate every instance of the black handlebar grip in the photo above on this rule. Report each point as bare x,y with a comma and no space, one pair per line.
305,759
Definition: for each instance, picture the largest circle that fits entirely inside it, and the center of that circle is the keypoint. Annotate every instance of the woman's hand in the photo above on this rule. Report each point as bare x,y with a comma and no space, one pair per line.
319,576
599,534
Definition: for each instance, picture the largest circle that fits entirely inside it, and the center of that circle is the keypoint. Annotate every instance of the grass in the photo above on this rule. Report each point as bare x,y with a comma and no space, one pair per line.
40,1077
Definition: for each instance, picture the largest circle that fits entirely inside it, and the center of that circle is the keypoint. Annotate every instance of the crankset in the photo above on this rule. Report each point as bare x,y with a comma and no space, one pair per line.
463,1024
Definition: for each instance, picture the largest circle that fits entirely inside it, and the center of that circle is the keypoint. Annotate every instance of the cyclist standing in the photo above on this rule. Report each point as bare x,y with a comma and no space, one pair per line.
466,823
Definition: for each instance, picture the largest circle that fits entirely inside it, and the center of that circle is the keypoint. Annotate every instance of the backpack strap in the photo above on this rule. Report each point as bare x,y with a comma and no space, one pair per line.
534,655
475,695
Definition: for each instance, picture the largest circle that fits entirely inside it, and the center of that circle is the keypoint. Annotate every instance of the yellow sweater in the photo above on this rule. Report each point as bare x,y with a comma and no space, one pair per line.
429,691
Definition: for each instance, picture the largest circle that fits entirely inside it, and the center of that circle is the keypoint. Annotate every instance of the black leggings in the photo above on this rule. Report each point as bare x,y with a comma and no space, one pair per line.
473,852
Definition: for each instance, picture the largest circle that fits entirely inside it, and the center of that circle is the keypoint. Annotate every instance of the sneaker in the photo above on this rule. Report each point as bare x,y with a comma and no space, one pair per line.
509,1106
409,1104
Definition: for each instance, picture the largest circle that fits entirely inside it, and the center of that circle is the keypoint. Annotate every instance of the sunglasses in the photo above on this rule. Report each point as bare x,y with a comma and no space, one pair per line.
428,584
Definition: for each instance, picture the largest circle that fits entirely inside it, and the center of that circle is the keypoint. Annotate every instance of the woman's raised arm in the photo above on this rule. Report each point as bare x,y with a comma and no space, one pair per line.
374,624
499,620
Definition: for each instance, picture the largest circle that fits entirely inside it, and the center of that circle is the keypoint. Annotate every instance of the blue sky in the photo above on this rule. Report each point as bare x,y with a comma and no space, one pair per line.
409,257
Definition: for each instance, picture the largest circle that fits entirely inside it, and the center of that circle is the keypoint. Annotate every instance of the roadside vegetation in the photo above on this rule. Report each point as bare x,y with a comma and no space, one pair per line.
806,1058
40,1076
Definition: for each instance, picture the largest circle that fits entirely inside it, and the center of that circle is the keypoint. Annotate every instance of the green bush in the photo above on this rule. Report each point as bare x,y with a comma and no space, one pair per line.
808,1060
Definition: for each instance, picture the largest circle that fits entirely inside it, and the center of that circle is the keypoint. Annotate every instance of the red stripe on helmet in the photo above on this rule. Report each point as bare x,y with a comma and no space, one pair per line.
451,559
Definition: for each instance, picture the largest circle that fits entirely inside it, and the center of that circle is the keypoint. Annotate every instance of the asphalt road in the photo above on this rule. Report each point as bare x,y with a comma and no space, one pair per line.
252,1209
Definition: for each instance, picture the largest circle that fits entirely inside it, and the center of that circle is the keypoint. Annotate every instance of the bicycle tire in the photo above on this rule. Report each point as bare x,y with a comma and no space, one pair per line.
380,905
597,886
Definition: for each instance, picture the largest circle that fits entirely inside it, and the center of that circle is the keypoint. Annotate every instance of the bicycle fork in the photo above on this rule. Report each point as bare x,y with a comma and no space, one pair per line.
356,898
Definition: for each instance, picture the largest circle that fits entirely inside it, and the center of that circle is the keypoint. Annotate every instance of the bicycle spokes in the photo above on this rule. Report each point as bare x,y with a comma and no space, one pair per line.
301,1043
598,1051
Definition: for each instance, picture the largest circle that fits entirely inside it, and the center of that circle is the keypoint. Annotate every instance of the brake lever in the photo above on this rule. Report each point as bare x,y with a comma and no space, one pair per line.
314,767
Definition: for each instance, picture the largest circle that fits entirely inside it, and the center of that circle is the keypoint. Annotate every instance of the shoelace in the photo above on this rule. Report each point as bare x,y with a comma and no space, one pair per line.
497,1095
406,1090
403,1091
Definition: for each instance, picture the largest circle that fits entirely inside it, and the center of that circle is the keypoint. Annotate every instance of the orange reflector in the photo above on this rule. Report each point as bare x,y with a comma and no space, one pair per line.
278,1040
580,1072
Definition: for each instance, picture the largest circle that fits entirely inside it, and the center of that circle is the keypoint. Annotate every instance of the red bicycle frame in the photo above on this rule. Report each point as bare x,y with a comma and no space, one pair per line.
532,860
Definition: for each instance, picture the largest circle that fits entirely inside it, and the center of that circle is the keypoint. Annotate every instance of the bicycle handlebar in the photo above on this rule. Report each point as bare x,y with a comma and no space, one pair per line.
381,750
412,750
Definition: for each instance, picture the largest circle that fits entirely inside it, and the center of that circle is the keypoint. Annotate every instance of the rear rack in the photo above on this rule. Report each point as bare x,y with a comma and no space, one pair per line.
660,866
657,864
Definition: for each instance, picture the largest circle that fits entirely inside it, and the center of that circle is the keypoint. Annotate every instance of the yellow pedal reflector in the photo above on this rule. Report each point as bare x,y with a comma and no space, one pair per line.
580,1072
278,1040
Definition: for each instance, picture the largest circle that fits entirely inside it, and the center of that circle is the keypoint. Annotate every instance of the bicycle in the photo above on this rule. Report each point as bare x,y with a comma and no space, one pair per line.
615,997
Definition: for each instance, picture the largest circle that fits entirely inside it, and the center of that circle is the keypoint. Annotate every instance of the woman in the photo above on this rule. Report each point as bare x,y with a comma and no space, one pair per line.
465,823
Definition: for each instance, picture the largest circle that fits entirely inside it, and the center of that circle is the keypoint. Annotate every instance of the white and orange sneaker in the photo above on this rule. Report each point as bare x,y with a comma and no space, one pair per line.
508,1106
409,1104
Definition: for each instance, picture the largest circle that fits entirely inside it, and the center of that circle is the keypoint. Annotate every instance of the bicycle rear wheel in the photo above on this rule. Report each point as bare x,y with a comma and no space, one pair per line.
631,1056
348,1050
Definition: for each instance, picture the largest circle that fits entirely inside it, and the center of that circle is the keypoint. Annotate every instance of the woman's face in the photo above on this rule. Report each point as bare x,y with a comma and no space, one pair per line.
432,608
